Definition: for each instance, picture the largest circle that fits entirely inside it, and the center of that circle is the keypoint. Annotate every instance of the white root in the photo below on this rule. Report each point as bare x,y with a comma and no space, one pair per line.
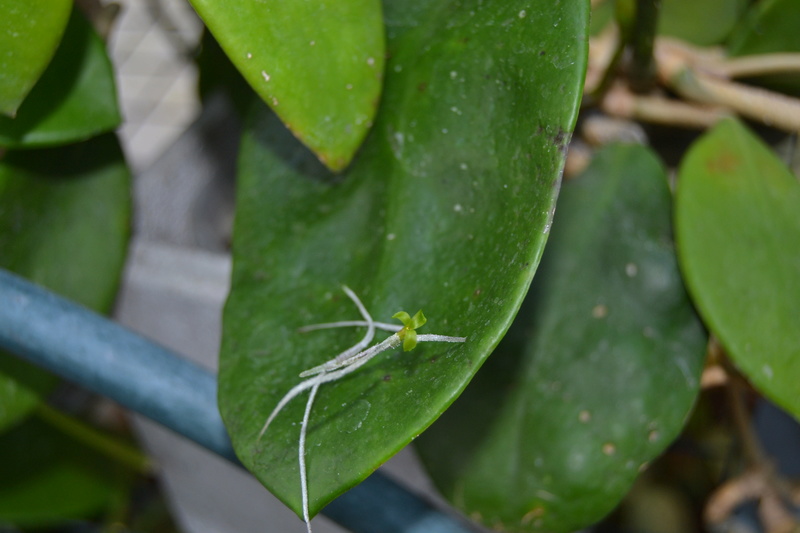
334,369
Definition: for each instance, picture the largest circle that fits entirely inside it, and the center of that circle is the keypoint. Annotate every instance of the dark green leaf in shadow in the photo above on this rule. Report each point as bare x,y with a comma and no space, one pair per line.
598,372
29,34
738,230
446,208
64,218
47,477
689,19
770,26
73,100
319,65
22,385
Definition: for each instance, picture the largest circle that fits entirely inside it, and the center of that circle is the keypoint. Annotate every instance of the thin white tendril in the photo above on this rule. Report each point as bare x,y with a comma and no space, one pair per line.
336,362
428,337
350,324
346,362
326,377
302,455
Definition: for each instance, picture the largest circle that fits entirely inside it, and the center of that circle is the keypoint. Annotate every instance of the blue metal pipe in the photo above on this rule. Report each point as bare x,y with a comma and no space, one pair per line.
102,356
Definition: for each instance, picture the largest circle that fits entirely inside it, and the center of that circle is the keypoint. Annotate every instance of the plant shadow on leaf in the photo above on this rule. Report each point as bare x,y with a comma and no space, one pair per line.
75,62
274,137
64,164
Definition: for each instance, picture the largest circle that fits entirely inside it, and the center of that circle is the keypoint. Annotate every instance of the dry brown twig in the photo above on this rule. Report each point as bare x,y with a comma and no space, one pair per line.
696,74
754,485
703,77
760,482
622,102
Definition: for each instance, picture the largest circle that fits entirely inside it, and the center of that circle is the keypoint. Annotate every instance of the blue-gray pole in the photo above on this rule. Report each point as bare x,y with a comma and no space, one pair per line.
102,356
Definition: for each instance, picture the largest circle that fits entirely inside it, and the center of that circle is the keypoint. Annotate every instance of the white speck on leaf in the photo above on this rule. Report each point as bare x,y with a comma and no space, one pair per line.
265,75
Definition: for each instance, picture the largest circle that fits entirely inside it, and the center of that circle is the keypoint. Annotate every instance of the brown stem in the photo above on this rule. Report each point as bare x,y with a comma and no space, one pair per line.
677,67
751,447
619,101
758,65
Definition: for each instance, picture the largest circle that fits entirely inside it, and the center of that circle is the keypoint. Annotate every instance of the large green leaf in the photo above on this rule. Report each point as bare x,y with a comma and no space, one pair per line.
29,34
598,372
446,208
64,216
318,64
47,477
738,229
74,99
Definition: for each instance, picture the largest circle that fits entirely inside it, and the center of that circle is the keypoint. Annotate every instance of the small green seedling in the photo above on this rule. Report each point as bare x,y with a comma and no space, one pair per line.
346,362
409,332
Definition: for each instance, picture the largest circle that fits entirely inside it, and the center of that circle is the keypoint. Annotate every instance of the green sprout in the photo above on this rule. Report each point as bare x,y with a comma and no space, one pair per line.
409,334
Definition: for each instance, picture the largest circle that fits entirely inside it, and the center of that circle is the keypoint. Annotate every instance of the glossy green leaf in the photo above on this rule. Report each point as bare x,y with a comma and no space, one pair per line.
74,99
52,477
29,34
64,216
689,19
446,209
738,229
319,65
598,372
